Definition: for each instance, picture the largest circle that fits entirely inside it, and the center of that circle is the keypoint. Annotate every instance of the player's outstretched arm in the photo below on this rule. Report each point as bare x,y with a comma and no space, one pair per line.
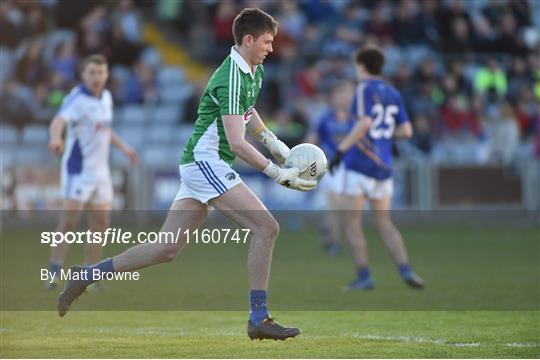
277,148
235,131
359,130
56,143
117,141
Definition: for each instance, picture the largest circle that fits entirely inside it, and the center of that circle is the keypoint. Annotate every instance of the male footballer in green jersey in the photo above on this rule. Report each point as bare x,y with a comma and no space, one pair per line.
226,110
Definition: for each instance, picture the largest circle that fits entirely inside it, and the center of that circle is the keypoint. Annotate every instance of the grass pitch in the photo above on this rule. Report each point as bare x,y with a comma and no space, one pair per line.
372,334
481,301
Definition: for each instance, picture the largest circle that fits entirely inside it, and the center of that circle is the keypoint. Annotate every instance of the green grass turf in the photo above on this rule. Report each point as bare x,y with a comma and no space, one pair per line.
481,300
464,269
373,334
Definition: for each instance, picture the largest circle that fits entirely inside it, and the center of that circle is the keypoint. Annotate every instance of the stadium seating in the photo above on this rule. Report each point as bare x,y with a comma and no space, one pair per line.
171,75
7,60
175,93
9,135
134,133
35,135
159,155
133,114
168,114
160,134
32,155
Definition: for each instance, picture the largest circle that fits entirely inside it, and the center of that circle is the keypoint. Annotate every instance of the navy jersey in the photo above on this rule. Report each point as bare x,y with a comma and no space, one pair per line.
372,155
331,131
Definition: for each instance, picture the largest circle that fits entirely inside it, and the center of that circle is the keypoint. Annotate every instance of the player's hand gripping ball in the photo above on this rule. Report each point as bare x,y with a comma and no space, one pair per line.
309,159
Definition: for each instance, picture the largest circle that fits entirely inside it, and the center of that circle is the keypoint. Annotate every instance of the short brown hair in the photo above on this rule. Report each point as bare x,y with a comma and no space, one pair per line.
92,59
372,58
254,22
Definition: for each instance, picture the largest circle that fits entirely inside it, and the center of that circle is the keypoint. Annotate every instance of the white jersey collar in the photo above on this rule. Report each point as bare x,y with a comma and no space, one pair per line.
242,64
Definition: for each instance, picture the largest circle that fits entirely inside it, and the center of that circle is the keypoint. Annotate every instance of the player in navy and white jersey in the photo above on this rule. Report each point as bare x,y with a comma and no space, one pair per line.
87,114
366,172
330,129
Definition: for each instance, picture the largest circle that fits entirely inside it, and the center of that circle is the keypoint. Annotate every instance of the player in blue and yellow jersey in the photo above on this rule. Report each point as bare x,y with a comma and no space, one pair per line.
365,155
330,129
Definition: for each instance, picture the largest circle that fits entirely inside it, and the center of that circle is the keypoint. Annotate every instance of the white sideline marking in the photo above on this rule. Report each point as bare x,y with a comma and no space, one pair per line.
2,330
356,335
143,331
414,339
522,345
163,332
473,344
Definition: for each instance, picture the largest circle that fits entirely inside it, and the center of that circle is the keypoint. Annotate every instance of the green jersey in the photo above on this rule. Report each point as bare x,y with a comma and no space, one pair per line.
232,90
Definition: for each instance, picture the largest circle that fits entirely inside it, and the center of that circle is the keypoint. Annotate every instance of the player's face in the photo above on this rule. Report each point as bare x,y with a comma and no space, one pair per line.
342,97
261,47
95,76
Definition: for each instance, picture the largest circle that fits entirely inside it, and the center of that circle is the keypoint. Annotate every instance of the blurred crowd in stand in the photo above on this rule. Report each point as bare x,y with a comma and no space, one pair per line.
42,42
469,71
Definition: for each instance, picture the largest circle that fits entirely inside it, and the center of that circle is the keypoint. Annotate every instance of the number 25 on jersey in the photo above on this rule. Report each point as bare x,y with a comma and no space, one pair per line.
384,121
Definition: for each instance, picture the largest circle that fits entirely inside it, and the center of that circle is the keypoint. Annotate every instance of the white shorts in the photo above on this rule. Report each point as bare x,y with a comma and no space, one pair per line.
86,188
204,180
350,182
329,182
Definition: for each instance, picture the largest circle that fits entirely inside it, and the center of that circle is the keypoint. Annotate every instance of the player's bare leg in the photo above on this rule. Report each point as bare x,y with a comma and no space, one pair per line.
390,235
69,219
393,240
243,207
99,220
335,223
352,210
185,214
353,207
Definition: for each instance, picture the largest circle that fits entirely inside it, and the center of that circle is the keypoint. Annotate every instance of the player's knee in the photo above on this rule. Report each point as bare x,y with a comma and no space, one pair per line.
273,228
67,224
382,221
269,228
353,229
168,253
100,224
